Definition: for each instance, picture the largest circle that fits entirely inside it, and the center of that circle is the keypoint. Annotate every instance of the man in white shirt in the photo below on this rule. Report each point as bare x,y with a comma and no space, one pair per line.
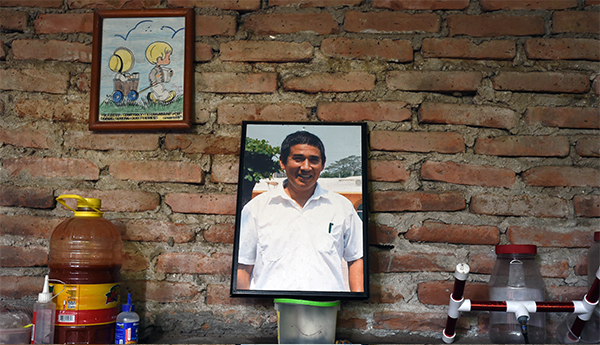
298,236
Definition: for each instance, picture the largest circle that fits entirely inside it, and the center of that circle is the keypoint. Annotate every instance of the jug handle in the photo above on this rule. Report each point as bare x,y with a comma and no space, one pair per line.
77,197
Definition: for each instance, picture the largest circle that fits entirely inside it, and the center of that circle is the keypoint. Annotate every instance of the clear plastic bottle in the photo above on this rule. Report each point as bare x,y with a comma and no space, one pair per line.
85,254
516,277
128,322
44,313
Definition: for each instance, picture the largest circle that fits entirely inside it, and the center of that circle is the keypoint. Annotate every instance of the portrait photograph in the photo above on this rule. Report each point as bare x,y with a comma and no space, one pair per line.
301,217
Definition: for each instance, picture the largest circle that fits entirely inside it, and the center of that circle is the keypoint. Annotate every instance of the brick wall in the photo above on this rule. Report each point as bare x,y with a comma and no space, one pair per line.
483,129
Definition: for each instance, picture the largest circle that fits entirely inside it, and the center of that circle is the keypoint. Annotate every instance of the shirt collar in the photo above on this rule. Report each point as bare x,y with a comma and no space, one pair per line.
318,193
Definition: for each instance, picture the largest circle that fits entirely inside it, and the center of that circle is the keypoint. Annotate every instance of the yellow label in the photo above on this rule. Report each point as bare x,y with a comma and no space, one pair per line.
86,296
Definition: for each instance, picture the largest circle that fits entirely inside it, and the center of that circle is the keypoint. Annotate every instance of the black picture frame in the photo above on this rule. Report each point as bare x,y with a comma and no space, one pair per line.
340,141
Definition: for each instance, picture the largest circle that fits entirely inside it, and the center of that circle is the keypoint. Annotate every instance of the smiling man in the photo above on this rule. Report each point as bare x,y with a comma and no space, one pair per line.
298,236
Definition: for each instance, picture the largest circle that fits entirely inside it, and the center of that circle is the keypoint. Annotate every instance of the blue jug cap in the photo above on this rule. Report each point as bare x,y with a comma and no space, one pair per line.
128,306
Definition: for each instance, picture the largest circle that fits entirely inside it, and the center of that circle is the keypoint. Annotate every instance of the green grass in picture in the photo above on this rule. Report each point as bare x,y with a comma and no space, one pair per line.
110,107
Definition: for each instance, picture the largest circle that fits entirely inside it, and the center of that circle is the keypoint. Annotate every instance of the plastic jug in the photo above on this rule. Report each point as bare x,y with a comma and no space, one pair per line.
86,254
516,277
306,322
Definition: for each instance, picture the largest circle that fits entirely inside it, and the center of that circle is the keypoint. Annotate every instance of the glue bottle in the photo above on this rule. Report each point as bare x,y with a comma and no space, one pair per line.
44,313
128,322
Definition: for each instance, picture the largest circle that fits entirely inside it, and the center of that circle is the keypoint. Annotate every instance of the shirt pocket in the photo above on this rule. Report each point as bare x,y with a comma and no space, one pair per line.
325,239
273,244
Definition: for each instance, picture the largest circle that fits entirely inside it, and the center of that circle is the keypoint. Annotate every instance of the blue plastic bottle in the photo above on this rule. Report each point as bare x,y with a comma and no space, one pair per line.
128,322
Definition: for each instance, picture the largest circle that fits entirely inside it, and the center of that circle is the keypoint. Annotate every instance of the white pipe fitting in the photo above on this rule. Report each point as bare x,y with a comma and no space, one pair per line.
462,271
584,308
521,308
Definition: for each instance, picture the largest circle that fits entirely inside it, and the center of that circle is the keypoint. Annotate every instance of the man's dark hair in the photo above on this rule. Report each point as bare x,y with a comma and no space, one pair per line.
300,137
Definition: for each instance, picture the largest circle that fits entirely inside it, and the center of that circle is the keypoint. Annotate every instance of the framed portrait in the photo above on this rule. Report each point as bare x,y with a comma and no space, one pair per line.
301,218
142,69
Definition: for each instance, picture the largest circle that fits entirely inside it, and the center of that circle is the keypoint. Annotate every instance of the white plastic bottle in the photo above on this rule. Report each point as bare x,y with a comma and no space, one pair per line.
128,322
44,313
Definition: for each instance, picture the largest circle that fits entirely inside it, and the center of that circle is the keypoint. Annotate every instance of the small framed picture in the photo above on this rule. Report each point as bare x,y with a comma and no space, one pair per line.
142,69
301,218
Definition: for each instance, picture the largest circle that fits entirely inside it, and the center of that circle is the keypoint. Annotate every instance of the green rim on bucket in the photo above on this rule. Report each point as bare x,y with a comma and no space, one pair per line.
305,302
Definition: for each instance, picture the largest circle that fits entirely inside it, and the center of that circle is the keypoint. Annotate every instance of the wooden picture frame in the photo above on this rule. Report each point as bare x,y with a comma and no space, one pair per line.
338,230
142,69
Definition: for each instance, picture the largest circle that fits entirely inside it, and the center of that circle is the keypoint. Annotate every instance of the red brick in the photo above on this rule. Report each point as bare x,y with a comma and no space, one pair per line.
364,111
26,197
399,201
203,143
515,146
26,136
380,234
495,5
569,237
421,5
223,25
34,80
233,5
415,322
563,49
331,82
203,52
32,3
28,226
121,200
157,171
163,291
581,267
23,256
234,114
591,2
443,81
596,85
289,23
218,294
110,142
135,262
562,176
147,230
443,142
464,48
466,114
389,171
493,25
410,261
554,268
588,147
267,51
519,205
3,50
565,293
563,117
225,169
576,22
194,263
13,20
53,111
438,292
391,22
201,203
587,205
226,82
551,82
111,4
482,263
18,287
432,231
467,174
315,3
65,23
52,50
352,48
220,233
384,294
52,167
83,82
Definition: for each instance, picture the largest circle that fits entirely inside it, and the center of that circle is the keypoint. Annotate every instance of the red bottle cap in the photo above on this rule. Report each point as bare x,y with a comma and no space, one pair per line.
516,249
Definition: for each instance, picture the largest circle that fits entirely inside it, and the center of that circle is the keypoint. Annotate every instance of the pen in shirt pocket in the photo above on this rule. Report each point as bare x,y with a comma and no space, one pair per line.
330,225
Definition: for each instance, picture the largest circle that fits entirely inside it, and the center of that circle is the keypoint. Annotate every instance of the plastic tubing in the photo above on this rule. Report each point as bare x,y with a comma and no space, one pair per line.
456,298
